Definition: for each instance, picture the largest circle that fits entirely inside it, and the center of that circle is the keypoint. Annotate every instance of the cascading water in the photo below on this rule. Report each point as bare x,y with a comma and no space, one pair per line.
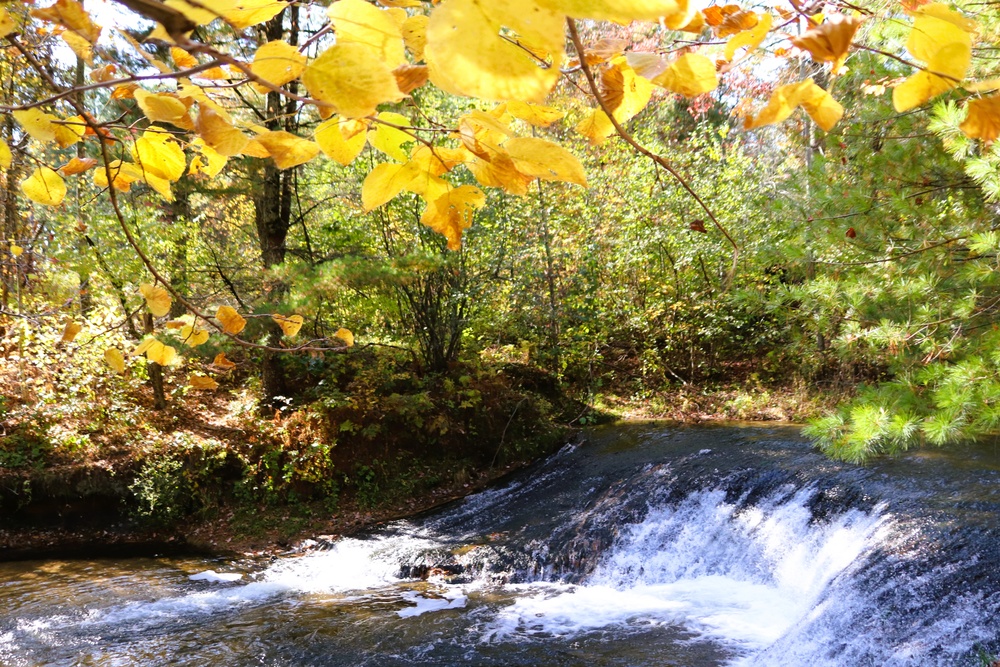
647,546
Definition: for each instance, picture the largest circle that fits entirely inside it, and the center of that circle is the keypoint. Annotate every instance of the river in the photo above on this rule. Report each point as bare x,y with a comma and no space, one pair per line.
645,545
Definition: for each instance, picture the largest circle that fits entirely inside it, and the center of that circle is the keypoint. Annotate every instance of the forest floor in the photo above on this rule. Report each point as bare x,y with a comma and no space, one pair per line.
208,474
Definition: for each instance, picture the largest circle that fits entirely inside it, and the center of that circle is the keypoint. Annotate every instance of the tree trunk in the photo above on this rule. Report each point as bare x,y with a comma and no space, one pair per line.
273,214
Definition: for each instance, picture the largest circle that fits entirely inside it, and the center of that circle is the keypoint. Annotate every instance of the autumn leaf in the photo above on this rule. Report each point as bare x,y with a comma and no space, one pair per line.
114,358
941,38
219,133
749,39
346,336
338,139
44,186
38,124
15,250
352,79
7,24
278,63
546,160
830,40
358,22
690,75
983,119
6,157
414,31
77,166
182,59
289,325
202,382
69,131
209,161
621,11
163,108
388,139
452,213
818,103
468,54
596,126
192,336
287,149
623,91
123,174
222,362
80,46
156,351
70,330
158,154
71,14
157,299
232,322
384,182
534,114
410,77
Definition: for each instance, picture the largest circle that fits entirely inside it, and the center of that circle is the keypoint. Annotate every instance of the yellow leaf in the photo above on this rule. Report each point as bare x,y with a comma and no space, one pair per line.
182,58
983,119
351,78
621,11
831,40
69,131
253,12
750,39
15,250
157,299
687,18
156,351
6,157
192,336
287,149
289,325
38,124
123,174
202,382
7,24
357,22
624,92
77,166
451,213
384,182
818,103
231,321
44,186
103,74
332,137
414,30
500,172
222,362
210,162
390,139
114,358
80,46
534,114
690,75
346,336
468,54
175,324
163,108
278,62
219,133
158,154
596,127
71,14
941,38
70,331
401,3
546,160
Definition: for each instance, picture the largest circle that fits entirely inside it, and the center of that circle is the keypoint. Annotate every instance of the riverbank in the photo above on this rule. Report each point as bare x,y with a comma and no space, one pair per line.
210,475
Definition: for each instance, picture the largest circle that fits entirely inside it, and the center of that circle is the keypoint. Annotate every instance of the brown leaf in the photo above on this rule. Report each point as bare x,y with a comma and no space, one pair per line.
410,77
851,233
830,41
698,226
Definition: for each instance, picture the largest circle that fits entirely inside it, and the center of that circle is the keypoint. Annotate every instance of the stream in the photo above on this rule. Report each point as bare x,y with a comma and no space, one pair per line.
646,545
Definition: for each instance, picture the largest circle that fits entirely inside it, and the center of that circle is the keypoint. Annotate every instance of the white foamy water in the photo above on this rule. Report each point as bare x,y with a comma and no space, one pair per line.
741,577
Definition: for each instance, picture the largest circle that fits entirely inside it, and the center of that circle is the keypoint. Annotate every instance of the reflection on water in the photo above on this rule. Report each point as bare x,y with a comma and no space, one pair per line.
649,546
